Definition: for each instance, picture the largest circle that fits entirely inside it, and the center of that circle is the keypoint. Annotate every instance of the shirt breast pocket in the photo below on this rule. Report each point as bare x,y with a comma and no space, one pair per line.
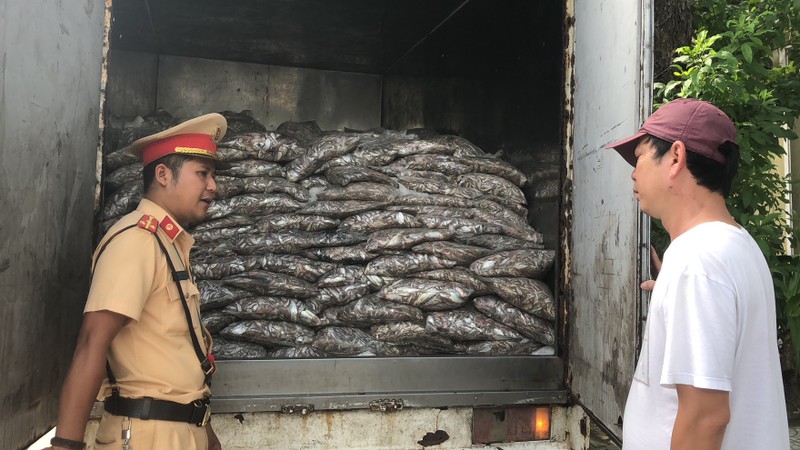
178,324
190,292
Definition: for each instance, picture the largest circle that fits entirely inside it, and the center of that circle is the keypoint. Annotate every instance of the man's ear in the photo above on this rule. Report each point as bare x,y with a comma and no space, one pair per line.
677,157
163,175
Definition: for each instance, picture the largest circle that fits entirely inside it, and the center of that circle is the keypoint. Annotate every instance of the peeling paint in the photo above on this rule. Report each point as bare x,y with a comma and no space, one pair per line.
101,119
566,296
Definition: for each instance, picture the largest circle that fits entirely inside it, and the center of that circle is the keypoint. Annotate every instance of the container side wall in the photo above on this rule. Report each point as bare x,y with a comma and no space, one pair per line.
610,55
50,68
133,78
187,87
334,99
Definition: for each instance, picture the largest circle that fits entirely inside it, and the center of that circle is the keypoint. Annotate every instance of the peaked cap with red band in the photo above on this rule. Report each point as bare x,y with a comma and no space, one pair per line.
195,137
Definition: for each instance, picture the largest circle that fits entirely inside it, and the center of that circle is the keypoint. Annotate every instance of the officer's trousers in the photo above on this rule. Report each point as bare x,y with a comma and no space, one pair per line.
150,435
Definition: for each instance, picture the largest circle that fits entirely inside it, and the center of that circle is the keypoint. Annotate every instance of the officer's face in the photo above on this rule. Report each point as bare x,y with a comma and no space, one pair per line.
192,191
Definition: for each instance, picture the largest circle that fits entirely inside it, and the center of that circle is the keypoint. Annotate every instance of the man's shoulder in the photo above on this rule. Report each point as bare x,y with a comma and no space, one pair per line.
715,250
132,229
135,219
713,239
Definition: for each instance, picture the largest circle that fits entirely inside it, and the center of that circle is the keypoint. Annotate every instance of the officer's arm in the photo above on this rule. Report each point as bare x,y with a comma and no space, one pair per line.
86,372
213,440
703,415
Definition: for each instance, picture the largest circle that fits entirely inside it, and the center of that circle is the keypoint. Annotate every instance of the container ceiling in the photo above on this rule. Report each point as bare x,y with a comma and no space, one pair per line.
418,37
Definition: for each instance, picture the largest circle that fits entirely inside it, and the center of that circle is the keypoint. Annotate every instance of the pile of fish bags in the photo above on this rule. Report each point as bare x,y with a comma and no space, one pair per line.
342,243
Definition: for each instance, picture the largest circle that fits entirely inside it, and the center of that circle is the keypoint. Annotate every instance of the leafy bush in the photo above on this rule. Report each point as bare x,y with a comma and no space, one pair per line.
731,63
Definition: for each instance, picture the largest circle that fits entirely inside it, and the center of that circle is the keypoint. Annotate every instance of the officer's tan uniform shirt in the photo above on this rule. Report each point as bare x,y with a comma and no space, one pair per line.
152,356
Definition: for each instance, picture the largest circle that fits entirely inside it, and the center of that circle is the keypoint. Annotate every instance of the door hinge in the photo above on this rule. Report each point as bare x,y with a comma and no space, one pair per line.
386,405
302,408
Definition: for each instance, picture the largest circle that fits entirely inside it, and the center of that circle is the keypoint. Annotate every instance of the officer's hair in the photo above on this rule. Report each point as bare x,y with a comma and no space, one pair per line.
173,161
714,176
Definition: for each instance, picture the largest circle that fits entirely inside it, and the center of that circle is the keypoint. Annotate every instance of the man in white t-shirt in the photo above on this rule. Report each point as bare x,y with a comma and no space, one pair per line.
708,375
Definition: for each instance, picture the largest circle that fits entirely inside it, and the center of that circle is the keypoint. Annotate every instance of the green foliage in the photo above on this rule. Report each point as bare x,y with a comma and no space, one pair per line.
731,63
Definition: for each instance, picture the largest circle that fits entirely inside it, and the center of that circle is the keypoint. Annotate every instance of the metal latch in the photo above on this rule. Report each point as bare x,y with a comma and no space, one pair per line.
386,405
302,408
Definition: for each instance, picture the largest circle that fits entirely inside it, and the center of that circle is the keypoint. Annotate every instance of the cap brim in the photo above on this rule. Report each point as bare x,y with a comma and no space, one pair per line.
627,147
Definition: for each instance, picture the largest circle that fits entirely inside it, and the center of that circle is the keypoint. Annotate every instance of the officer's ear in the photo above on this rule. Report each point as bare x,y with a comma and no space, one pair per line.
163,175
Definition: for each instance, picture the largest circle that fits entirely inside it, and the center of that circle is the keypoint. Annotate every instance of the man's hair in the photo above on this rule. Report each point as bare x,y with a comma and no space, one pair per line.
715,176
173,161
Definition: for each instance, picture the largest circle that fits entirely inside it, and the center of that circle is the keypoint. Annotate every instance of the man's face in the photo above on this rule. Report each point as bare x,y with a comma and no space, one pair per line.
191,191
649,179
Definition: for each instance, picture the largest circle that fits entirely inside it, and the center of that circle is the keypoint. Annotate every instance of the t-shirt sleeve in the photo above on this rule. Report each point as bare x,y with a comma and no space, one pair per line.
701,323
124,273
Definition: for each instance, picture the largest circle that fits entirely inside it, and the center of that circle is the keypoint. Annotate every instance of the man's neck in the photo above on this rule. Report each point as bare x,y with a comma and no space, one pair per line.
695,210
159,200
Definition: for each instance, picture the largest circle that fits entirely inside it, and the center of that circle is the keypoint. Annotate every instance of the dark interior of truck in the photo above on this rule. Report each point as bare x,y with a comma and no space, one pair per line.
491,72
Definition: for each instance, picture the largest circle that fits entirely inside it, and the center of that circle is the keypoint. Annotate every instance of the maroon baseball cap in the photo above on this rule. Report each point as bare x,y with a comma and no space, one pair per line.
701,126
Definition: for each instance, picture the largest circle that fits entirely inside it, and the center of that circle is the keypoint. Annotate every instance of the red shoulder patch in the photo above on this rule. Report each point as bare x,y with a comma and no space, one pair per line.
148,223
170,227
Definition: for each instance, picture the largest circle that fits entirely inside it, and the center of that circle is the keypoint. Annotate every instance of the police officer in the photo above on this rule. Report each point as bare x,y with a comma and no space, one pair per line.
141,342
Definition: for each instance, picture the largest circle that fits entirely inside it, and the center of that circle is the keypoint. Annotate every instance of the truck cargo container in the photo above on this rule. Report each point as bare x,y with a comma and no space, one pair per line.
534,80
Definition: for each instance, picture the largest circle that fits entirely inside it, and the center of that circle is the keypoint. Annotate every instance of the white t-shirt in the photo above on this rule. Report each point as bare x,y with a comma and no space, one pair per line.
711,325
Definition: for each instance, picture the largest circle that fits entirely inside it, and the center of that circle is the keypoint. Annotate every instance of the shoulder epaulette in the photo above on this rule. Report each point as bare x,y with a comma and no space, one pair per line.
148,223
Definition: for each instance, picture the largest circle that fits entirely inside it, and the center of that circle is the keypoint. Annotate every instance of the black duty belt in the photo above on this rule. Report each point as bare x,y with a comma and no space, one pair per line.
148,408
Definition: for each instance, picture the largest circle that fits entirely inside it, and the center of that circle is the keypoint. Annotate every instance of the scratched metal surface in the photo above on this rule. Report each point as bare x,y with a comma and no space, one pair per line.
604,238
50,76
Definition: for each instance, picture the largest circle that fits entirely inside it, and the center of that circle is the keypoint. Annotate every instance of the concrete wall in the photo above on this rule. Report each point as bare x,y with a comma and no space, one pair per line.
50,67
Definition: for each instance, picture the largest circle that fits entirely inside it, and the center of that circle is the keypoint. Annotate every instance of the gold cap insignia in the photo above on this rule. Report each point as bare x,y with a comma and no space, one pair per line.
216,134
